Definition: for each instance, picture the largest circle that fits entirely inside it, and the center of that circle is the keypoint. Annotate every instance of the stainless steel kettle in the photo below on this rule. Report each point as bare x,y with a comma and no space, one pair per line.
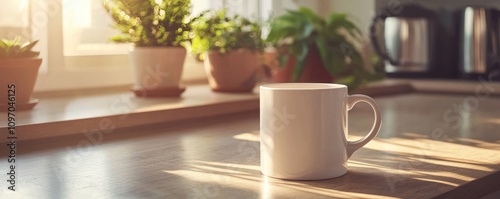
407,44
407,40
479,41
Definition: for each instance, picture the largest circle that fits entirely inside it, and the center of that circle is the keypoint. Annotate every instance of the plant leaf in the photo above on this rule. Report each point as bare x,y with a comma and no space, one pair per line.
3,45
309,14
28,46
323,52
283,60
307,30
300,62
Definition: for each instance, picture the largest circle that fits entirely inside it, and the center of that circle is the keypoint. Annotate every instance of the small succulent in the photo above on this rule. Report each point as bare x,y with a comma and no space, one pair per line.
13,49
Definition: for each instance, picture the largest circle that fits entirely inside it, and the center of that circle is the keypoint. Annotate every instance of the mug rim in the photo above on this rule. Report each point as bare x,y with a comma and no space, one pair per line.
302,86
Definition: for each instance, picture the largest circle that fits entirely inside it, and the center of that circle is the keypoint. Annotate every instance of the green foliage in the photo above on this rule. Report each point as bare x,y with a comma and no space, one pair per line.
296,32
216,31
150,22
13,49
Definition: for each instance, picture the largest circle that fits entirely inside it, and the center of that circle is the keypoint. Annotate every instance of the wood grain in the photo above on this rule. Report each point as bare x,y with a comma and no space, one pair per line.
67,113
417,154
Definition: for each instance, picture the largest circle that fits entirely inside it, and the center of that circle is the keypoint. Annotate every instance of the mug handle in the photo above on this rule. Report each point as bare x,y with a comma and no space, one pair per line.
352,146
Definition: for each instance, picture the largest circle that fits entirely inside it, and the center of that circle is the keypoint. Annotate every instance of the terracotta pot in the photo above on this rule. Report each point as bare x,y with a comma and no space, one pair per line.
314,70
157,70
22,72
234,71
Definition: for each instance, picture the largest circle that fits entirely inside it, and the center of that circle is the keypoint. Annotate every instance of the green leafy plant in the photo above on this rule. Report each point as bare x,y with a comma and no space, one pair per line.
218,32
13,49
296,32
150,22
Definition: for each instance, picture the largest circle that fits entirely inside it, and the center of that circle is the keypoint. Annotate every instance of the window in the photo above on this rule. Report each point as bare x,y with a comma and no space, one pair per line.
74,42
14,17
81,21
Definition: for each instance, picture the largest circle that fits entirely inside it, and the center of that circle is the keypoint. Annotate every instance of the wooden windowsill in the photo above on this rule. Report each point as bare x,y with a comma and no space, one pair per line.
71,114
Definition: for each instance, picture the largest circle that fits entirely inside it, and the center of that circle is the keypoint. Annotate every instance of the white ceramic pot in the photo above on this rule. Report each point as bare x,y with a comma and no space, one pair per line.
157,68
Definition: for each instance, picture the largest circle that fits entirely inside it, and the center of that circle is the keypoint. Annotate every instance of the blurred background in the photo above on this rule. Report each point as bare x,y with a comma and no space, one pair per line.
451,39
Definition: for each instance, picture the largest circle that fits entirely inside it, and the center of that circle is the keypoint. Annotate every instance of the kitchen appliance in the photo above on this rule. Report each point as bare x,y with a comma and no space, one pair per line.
479,45
408,42
412,41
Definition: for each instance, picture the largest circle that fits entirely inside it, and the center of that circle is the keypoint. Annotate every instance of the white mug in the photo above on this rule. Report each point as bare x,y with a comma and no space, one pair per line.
304,130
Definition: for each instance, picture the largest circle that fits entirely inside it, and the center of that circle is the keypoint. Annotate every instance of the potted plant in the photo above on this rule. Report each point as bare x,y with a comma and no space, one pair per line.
314,49
231,49
158,29
18,73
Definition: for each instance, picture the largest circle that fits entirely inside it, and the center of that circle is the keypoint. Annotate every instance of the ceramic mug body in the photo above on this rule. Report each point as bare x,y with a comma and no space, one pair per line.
304,130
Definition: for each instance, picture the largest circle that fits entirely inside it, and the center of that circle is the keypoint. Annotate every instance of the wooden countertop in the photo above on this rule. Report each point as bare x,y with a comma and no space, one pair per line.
422,151
70,113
